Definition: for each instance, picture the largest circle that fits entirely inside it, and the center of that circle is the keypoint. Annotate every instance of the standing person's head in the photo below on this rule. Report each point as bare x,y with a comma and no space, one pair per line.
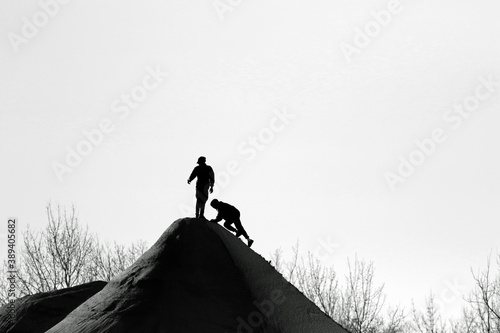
214,203
202,160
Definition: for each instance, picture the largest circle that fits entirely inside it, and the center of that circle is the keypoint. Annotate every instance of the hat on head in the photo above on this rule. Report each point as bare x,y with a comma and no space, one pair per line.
202,159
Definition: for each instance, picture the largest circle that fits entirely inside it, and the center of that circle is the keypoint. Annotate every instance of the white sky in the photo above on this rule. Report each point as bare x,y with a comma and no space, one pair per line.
321,179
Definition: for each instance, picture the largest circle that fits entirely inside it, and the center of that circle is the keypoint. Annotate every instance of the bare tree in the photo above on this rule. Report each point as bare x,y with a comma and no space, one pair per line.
467,324
357,305
287,268
66,254
361,300
395,321
429,321
485,300
319,284
109,261
316,282
56,258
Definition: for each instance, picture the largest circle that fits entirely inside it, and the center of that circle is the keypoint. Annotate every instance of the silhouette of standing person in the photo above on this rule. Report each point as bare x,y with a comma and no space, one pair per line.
231,215
205,180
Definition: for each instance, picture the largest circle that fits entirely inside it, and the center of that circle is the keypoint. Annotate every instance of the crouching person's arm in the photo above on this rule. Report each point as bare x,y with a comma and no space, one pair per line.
217,219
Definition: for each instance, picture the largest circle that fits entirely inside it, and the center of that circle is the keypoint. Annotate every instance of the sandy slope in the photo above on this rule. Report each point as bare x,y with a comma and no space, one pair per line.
37,313
295,313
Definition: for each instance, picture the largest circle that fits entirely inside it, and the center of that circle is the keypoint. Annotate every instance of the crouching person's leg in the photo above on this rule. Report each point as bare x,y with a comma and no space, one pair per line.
228,225
242,232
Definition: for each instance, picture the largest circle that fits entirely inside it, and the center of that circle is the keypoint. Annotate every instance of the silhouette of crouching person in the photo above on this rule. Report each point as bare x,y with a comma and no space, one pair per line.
232,216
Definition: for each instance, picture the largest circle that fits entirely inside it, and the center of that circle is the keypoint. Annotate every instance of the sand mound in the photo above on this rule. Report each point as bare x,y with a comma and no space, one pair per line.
198,278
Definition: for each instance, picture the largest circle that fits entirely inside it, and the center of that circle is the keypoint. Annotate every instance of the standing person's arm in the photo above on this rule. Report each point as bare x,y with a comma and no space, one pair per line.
211,179
192,176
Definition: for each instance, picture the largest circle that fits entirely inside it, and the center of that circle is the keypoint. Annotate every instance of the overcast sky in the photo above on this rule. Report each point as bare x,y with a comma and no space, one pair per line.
356,127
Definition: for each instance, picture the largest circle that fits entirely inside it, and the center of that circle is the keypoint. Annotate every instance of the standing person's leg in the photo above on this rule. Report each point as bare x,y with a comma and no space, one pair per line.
204,201
197,208
198,203
201,200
